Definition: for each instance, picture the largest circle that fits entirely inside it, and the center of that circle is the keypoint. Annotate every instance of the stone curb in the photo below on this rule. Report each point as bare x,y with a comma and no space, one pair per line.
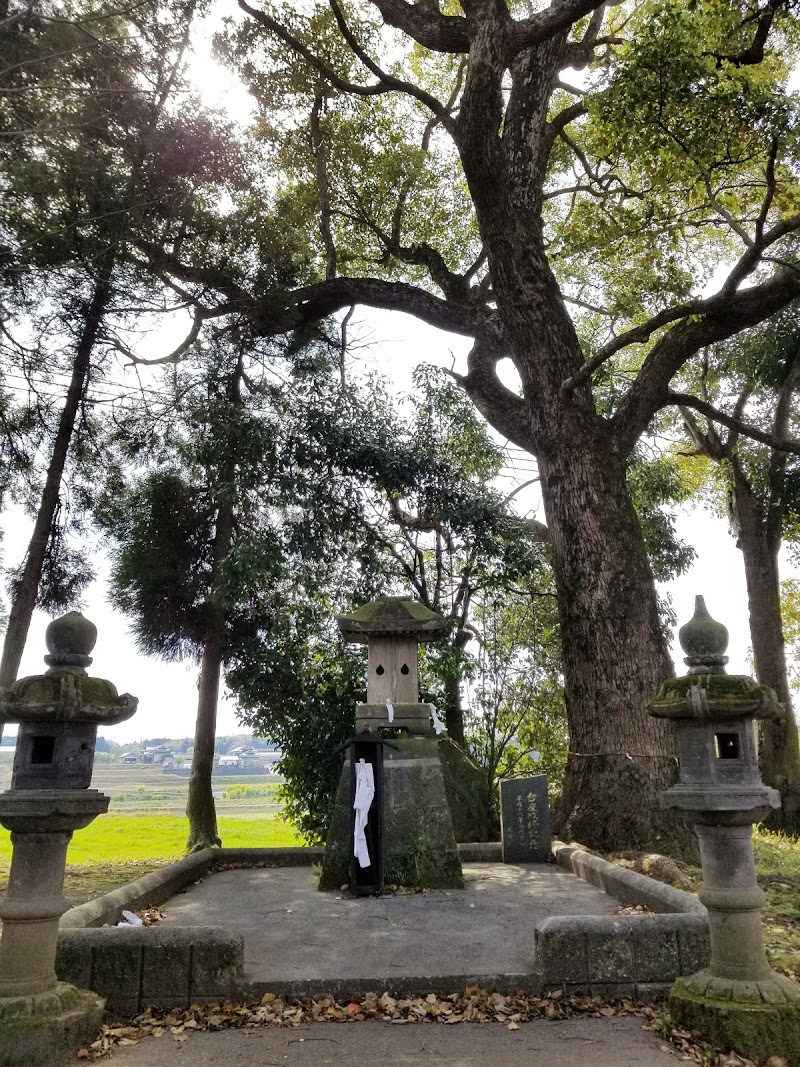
619,955
137,967
394,985
629,887
303,856
149,890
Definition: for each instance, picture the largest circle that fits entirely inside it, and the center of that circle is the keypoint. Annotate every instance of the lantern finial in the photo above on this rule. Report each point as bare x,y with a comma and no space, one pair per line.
704,640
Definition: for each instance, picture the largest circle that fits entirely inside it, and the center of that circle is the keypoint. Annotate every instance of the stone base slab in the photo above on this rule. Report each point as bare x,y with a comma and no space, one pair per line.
774,989
419,846
47,1029
755,1030
161,966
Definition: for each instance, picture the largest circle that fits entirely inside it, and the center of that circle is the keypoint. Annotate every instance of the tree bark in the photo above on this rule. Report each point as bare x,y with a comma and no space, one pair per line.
779,748
200,809
26,589
454,708
615,659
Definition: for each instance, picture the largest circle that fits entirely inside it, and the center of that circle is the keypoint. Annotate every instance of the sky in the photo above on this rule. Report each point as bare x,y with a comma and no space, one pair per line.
393,344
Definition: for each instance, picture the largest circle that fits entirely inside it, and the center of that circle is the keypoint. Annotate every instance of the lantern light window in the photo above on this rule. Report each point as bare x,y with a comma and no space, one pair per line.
43,750
726,746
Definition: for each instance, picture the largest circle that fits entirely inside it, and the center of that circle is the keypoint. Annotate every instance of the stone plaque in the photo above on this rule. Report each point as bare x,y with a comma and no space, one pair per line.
525,819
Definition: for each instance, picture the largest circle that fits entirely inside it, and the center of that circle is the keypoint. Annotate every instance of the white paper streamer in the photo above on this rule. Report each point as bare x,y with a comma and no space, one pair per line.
365,792
390,711
438,725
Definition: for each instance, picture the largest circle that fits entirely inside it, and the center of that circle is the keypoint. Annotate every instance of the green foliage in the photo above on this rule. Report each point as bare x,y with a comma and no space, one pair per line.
790,613
517,722
243,791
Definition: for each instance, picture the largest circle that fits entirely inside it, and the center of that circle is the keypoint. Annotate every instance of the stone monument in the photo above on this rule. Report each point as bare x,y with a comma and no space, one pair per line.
419,847
738,1001
43,1021
525,820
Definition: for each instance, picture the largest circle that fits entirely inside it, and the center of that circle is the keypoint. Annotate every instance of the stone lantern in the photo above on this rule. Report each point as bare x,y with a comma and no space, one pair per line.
43,1021
419,847
738,1001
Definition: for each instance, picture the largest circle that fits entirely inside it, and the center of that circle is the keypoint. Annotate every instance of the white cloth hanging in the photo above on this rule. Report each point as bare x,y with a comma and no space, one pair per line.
365,792
390,711
438,725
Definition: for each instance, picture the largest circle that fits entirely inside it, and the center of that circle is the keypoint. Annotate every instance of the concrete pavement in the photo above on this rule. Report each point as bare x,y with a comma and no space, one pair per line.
616,1042
293,933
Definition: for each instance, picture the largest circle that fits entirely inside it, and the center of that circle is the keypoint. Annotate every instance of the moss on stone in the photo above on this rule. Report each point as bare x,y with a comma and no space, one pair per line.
754,1031
336,861
474,818
728,695
50,1039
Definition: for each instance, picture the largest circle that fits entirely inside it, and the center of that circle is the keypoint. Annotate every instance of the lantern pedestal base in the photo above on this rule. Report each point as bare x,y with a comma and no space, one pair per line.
419,846
47,1029
758,1019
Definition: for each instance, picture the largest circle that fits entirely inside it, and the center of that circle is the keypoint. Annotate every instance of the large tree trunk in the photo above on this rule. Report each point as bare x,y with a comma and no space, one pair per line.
615,658
779,748
615,654
26,589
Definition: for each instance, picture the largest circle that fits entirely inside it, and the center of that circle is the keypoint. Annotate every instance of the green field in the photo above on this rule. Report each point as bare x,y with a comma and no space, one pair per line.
124,838
146,825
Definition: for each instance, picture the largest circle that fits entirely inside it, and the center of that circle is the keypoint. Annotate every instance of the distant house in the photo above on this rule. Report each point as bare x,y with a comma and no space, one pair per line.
129,757
157,754
229,761
244,752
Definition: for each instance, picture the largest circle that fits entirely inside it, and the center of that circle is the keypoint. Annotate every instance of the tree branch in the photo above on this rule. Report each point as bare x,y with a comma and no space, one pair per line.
539,531
502,408
753,255
559,16
724,316
426,24
313,302
406,520
439,109
754,53
313,60
636,335
745,429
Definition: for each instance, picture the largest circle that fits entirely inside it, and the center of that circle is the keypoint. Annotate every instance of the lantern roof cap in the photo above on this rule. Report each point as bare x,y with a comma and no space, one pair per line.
706,692
65,692
393,616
